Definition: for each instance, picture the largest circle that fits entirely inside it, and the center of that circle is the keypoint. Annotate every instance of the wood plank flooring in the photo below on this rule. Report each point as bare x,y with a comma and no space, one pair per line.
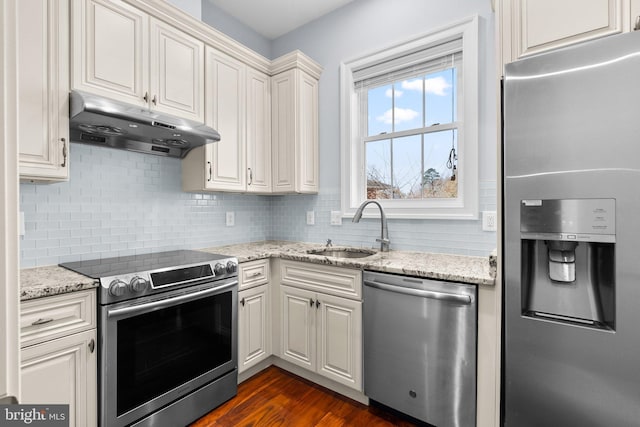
275,397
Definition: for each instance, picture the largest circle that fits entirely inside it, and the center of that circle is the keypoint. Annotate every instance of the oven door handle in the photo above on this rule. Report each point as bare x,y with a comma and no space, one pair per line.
156,305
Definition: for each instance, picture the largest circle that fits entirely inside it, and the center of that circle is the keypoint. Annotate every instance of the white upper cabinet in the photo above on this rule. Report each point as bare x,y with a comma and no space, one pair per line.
225,84
295,132
177,72
122,53
533,26
43,89
258,134
238,106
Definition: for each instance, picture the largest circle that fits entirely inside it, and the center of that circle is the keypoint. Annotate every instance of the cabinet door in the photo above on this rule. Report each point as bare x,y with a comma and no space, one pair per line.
340,340
541,25
283,131
110,52
63,371
294,132
298,327
307,134
258,132
226,79
254,326
176,72
43,88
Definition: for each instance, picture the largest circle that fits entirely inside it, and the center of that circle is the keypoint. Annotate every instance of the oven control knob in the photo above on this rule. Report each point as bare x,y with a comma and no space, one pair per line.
231,267
138,284
219,269
117,288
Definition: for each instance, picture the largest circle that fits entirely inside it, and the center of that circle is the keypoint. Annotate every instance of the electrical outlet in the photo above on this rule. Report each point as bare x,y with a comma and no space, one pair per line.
311,218
336,218
231,219
489,221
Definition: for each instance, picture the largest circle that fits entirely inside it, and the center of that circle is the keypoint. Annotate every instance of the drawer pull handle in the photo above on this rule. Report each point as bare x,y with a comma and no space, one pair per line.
317,303
242,302
92,345
42,321
255,274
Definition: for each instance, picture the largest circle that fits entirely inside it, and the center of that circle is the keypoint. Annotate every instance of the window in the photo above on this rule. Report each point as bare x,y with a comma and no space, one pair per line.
409,126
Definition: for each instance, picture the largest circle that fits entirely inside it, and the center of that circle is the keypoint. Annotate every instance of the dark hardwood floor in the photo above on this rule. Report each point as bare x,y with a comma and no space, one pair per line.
275,397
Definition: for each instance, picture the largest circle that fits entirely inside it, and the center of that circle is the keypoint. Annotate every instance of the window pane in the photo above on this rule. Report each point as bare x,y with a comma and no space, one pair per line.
408,104
440,97
407,166
378,160
379,110
439,165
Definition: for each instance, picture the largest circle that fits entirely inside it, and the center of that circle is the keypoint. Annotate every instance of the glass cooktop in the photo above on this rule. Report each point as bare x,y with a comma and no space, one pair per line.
105,267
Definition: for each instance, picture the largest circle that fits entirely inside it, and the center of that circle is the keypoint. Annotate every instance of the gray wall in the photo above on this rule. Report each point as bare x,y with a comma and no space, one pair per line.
222,21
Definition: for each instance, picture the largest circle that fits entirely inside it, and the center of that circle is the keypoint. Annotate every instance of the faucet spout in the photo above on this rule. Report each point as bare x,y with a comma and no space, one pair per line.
384,230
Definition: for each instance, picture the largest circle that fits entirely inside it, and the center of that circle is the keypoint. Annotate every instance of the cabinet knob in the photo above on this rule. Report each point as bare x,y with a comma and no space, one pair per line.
311,302
317,303
242,302
155,100
146,97
92,345
64,152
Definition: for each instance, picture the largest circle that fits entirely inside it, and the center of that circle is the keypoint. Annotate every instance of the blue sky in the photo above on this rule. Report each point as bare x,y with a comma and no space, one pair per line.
409,113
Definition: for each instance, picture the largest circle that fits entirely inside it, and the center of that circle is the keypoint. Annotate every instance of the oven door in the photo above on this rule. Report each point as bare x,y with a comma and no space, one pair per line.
155,350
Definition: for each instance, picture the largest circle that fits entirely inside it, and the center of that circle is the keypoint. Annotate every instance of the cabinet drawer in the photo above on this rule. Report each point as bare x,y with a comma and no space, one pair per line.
338,281
52,317
253,273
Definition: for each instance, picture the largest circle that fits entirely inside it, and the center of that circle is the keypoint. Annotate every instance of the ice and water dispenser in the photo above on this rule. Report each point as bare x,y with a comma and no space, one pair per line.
568,260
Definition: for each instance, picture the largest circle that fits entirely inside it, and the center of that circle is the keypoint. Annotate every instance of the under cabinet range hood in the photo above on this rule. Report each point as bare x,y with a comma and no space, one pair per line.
102,121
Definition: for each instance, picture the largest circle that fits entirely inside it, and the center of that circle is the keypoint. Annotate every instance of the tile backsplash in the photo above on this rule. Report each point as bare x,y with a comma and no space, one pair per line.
123,203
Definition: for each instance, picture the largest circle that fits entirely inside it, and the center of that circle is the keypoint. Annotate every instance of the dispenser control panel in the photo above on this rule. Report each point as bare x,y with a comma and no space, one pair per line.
580,220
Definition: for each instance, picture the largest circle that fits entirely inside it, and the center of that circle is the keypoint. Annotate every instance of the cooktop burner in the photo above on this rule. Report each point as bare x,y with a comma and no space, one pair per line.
99,268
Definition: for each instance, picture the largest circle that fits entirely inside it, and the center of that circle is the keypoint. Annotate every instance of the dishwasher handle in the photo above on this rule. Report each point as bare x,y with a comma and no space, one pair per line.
442,296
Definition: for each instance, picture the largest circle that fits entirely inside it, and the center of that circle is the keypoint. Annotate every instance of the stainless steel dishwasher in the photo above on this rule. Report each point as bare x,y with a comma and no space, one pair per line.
420,347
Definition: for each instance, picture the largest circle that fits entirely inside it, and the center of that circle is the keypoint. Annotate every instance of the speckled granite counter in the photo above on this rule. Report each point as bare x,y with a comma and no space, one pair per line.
457,268
51,280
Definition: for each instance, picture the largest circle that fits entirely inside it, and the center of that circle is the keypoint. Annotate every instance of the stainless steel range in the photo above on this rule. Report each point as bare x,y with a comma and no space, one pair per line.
167,336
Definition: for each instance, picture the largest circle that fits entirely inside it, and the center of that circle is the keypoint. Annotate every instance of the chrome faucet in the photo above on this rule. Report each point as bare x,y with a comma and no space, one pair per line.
384,232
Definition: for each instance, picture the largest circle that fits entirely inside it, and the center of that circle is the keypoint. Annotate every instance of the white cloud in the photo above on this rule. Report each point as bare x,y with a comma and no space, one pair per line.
435,86
389,93
401,115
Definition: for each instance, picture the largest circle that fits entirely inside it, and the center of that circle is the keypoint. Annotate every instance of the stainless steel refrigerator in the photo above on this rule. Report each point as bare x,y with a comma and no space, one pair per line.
571,170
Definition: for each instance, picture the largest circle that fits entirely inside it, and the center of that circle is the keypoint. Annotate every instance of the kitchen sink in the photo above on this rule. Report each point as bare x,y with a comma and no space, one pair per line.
342,253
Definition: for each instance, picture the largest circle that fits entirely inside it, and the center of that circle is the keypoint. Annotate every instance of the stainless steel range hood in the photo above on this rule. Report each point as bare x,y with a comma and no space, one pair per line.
101,121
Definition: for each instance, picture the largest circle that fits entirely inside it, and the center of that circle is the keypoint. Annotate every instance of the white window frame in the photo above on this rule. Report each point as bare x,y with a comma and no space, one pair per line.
353,173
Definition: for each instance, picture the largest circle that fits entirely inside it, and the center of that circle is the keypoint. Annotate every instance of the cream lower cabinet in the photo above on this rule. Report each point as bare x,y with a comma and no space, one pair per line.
254,326
42,39
59,356
254,314
319,331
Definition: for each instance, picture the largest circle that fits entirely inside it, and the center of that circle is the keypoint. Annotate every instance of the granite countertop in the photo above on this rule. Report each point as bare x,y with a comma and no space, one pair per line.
53,280
456,268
